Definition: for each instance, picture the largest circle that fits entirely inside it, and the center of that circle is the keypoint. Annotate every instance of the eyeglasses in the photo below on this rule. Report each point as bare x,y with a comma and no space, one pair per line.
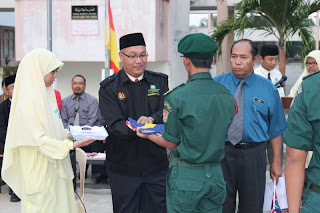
135,57
10,88
312,63
78,83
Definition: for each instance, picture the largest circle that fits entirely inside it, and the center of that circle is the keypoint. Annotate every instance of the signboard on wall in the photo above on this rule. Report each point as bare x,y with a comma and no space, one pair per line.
84,12
85,27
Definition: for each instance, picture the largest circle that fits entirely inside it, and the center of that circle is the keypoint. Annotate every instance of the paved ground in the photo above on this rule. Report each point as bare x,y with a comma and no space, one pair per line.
98,196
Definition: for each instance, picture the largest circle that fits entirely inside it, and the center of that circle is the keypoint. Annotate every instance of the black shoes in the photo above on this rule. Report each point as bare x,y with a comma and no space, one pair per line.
99,178
14,198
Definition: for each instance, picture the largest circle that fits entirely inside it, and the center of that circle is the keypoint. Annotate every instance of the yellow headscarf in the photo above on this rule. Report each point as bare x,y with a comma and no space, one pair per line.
33,116
315,54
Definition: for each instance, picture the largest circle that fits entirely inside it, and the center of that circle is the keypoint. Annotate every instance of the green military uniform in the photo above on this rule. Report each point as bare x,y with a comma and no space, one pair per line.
197,116
303,133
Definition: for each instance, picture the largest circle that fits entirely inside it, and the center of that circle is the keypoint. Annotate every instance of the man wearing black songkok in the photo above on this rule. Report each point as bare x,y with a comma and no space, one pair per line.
4,118
137,167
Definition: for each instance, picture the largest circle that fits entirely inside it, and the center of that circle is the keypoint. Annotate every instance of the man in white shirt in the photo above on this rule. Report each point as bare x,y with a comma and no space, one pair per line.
269,60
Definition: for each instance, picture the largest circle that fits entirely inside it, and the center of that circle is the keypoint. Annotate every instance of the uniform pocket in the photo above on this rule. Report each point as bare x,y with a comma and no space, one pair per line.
261,111
216,197
185,196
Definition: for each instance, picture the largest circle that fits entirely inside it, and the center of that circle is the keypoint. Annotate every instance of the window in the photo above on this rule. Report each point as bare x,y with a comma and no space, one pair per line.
8,43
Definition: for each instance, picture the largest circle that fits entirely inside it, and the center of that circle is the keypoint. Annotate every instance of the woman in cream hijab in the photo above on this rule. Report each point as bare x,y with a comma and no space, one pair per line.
36,162
312,63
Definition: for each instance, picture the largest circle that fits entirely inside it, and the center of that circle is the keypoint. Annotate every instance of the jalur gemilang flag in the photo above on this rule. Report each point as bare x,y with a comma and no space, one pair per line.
111,42
275,208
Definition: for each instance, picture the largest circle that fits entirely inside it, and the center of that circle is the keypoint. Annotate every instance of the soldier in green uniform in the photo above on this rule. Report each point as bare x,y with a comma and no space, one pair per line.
303,135
196,117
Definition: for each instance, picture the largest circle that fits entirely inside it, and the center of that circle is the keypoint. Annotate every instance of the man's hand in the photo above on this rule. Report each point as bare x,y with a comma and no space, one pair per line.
276,171
144,120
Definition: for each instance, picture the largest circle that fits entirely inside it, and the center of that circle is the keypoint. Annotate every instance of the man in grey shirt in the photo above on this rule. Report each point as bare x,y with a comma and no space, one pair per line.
86,107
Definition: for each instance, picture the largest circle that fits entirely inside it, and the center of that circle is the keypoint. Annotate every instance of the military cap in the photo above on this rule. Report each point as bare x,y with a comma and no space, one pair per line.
9,80
134,39
269,50
197,45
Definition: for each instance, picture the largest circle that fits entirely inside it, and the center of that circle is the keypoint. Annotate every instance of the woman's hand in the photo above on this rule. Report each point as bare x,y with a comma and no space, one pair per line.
82,143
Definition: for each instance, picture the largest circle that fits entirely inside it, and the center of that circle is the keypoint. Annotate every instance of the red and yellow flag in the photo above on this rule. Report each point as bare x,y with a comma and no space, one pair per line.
111,43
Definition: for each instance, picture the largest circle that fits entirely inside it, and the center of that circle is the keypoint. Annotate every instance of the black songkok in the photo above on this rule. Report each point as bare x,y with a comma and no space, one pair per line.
9,80
269,50
134,39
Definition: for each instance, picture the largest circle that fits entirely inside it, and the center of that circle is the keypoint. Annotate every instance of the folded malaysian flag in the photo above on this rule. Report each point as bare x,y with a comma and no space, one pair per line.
147,129
275,208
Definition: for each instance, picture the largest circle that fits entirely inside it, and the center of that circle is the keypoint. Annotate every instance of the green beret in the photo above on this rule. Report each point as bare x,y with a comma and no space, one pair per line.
197,45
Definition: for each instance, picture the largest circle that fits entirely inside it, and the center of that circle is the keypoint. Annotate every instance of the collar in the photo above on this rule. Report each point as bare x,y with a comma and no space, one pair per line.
133,78
82,96
124,77
264,71
247,80
200,75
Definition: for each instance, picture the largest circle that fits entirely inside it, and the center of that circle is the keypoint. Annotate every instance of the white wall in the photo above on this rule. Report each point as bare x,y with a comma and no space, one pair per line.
147,16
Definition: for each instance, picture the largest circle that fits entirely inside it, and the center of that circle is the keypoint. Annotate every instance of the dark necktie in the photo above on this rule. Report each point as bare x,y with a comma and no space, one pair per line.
236,127
137,80
269,76
76,115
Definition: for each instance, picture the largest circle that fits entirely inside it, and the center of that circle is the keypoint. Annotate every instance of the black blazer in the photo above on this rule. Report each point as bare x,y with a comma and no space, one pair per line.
4,118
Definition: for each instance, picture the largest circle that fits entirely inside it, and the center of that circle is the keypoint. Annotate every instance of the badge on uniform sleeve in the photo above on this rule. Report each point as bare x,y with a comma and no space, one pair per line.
166,104
299,89
121,96
165,116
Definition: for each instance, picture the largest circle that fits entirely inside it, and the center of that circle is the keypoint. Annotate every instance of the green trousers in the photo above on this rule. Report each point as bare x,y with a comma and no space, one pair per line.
195,188
310,203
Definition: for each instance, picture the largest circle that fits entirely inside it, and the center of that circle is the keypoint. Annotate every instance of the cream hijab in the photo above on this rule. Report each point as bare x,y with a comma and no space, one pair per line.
33,117
313,54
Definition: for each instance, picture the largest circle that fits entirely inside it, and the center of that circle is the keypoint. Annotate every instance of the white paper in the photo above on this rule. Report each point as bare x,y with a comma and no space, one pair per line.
281,194
82,132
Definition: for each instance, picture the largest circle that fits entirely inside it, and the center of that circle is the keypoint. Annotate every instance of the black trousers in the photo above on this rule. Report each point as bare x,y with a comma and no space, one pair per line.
135,194
244,170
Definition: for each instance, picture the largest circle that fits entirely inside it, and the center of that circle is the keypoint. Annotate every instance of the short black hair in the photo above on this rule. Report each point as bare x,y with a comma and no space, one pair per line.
254,48
84,79
2,84
201,62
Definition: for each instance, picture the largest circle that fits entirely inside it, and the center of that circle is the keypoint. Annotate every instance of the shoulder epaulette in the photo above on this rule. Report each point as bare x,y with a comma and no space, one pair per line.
225,88
170,90
108,79
222,85
308,76
157,73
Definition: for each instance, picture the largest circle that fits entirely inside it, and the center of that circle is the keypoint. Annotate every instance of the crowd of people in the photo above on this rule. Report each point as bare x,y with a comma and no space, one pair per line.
217,131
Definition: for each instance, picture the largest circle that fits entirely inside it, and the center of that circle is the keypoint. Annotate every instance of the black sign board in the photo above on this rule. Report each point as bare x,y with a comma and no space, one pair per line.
84,12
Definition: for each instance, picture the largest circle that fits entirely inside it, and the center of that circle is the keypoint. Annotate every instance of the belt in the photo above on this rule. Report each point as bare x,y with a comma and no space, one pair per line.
244,145
315,188
184,163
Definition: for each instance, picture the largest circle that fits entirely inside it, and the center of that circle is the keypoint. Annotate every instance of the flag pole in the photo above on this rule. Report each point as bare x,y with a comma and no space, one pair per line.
107,40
